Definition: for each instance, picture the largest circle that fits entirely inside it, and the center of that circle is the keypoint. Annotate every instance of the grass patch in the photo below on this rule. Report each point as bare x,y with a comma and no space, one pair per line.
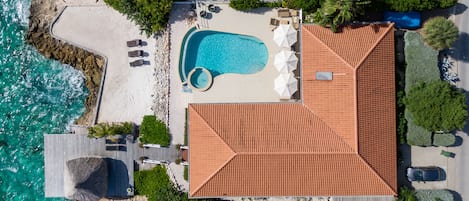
443,195
186,172
416,135
156,185
422,61
154,131
185,129
422,65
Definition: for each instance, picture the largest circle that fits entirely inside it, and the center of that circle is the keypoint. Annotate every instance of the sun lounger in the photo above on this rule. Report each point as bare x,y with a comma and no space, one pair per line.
284,22
136,63
274,22
283,12
135,53
134,43
293,12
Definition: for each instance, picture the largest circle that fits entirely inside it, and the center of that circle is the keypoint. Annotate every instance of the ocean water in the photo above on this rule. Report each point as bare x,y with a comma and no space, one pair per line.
37,96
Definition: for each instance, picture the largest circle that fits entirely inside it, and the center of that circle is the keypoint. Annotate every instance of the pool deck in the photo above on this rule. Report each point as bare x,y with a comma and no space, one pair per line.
258,87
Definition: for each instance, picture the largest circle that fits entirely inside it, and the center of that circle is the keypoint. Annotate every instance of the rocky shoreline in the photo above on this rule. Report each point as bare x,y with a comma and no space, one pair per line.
42,13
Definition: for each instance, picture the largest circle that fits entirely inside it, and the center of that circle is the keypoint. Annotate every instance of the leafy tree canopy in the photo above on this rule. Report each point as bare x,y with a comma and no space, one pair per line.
154,131
440,33
150,15
437,106
335,13
418,5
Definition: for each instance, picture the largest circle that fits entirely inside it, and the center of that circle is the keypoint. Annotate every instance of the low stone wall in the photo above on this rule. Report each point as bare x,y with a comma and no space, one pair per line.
39,36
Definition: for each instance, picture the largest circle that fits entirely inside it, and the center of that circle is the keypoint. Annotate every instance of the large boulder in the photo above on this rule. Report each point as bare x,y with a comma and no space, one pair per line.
85,179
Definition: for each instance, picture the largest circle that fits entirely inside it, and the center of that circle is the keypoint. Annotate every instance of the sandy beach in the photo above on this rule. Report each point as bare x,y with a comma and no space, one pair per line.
128,92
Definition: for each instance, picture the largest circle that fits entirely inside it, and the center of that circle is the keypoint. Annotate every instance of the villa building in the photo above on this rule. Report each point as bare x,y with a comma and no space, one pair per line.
339,140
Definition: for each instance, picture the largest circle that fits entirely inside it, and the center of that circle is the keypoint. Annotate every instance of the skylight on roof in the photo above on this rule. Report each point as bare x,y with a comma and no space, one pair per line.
323,75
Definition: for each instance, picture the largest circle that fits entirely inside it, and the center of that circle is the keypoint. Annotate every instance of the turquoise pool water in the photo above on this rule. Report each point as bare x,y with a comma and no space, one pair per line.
199,79
222,53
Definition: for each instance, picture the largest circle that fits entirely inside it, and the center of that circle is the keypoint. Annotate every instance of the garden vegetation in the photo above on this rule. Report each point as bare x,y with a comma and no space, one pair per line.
107,129
437,106
416,5
150,15
440,33
422,66
335,13
156,185
154,131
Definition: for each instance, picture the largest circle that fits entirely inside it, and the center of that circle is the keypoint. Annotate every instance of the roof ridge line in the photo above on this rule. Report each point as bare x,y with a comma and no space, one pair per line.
331,50
335,132
229,147
211,128
376,173
213,175
391,25
289,153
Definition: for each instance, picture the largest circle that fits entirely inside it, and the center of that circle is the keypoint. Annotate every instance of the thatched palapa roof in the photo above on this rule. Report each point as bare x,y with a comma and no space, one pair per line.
85,179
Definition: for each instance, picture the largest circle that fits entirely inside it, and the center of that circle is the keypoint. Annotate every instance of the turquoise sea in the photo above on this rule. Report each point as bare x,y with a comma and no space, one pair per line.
37,96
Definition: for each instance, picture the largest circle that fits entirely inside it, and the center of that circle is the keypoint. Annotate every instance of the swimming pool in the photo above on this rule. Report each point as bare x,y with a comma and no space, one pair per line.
221,53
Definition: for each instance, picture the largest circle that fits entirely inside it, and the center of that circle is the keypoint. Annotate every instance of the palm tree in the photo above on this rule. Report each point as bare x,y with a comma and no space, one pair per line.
440,33
338,12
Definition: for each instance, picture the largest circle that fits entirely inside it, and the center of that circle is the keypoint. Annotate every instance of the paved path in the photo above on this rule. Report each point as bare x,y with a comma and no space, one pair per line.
461,55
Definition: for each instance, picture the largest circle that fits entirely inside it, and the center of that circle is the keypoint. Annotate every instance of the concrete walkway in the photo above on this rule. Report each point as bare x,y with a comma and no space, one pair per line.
460,53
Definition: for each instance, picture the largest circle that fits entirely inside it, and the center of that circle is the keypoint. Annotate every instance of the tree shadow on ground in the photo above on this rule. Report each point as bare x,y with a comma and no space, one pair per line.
404,161
459,8
179,12
466,126
460,49
456,195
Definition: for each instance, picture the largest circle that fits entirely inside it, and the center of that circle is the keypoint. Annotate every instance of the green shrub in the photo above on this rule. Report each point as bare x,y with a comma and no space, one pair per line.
427,195
156,185
273,4
308,6
153,131
444,140
245,5
105,129
440,33
416,135
437,106
422,61
401,120
186,172
406,194
150,15
418,5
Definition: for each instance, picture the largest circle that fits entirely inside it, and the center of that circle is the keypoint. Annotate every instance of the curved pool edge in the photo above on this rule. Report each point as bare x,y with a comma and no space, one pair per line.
209,77
182,54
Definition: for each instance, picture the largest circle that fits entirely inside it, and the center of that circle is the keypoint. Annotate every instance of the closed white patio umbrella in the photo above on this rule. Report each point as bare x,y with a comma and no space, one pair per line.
286,85
285,35
285,61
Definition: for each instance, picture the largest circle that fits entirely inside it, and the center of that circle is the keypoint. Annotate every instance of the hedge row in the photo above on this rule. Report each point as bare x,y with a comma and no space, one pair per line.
153,131
427,195
105,129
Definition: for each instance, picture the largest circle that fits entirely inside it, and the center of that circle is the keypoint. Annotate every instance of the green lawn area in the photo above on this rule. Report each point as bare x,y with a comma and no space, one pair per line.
186,172
156,185
422,65
154,131
422,61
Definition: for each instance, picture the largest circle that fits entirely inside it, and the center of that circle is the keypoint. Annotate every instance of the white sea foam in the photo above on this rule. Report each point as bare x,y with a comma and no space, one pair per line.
22,9
11,169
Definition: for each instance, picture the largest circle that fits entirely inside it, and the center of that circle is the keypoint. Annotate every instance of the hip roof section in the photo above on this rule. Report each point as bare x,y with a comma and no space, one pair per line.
339,141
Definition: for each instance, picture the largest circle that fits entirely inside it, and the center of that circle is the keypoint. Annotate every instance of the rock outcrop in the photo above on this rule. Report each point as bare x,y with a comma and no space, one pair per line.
92,65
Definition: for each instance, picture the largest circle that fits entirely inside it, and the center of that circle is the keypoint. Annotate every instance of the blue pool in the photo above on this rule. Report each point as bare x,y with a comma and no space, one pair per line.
221,53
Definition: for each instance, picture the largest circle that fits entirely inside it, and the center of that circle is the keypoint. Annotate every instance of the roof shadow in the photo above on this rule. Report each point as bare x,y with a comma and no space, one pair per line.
118,179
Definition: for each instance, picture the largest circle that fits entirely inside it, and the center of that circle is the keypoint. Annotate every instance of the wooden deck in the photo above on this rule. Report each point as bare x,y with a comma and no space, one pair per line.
59,148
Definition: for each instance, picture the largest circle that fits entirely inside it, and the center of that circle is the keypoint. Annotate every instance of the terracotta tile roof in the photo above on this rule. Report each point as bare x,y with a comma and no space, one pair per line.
339,141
